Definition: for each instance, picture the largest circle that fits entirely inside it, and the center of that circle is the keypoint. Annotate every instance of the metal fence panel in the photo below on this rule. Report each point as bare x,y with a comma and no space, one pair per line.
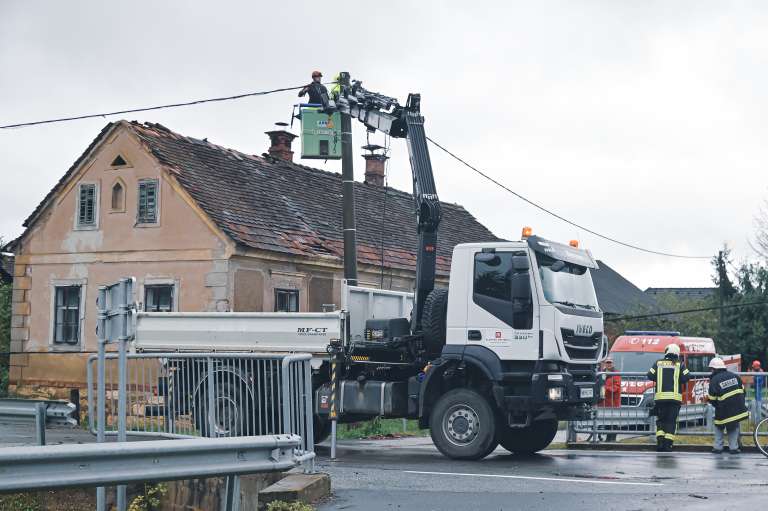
630,415
187,395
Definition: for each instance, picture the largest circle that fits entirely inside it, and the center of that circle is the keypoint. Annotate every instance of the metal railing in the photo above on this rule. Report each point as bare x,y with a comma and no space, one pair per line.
186,395
630,414
88,465
182,395
41,412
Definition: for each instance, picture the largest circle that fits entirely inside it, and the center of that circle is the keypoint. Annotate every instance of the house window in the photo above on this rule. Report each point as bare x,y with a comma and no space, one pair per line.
158,298
118,197
67,315
86,205
147,209
286,300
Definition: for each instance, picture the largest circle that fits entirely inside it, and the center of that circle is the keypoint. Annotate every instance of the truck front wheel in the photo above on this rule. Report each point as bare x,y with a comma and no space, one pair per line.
530,439
463,425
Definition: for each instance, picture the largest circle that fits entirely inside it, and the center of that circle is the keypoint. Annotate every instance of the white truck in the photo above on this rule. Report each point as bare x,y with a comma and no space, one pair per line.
508,349
499,357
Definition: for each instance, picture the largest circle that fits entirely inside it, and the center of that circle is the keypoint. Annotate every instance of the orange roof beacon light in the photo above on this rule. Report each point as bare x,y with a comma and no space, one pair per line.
574,243
527,232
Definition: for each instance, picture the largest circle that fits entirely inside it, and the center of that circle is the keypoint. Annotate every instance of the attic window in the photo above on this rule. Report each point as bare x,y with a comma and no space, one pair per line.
119,161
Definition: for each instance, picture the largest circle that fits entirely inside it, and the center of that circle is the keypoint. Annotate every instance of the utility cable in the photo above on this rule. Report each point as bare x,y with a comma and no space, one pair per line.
560,217
687,311
150,108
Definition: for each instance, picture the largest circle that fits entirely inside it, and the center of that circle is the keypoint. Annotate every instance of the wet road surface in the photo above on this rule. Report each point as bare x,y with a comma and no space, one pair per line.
410,474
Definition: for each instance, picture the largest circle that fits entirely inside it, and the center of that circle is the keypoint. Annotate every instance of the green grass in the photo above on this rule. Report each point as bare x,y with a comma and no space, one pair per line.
380,428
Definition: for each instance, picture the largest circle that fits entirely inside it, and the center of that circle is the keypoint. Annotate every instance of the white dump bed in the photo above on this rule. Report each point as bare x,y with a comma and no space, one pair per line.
307,332
365,303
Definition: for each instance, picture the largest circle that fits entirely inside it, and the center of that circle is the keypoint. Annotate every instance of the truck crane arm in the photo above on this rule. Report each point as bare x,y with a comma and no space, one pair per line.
384,114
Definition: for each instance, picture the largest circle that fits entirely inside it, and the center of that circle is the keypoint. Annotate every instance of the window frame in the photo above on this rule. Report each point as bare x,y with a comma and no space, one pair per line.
156,222
161,281
95,225
64,346
288,291
121,208
149,287
502,308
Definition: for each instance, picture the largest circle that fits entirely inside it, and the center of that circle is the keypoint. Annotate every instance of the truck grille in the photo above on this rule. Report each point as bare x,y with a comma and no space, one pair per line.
581,348
631,400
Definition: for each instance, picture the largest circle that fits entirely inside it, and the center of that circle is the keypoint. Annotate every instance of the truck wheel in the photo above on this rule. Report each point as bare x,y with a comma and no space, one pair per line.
433,320
463,426
227,414
530,439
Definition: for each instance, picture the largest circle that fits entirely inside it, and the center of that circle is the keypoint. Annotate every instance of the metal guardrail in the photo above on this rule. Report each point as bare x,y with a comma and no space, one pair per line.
42,412
696,418
87,465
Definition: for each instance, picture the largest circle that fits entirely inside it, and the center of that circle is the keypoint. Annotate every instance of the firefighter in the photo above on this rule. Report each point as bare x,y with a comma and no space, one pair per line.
669,375
318,94
726,394
612,392
758,382
612,386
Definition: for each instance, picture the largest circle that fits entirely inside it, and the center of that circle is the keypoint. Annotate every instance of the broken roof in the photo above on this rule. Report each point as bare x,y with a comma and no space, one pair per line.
265,203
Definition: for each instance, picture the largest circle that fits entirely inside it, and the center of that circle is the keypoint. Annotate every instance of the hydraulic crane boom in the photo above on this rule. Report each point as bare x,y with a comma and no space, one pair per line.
385,114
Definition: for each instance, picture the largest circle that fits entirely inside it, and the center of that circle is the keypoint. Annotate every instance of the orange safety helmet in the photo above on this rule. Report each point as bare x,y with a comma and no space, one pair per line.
755,364
317,73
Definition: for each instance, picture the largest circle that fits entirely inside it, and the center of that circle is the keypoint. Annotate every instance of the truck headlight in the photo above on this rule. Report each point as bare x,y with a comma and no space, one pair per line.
555,394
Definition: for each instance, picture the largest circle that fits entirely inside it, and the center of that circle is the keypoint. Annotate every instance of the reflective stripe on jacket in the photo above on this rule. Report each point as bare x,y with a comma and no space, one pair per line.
726,393
670,376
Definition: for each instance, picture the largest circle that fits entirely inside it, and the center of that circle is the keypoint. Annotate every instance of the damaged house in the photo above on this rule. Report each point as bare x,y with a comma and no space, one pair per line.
202,228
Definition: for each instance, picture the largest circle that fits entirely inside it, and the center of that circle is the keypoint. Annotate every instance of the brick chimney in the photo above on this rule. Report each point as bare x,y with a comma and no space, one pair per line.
280,144
374,165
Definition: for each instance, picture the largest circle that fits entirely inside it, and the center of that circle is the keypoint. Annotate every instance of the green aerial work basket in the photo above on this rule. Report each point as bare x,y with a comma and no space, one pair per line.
320,134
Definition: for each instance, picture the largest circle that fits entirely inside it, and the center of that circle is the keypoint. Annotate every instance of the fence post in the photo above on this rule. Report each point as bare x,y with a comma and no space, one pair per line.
211,399
232,494
40,417
309,423
101,393
124,292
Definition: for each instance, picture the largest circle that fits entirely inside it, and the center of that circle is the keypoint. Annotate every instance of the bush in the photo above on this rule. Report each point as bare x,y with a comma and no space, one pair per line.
5,336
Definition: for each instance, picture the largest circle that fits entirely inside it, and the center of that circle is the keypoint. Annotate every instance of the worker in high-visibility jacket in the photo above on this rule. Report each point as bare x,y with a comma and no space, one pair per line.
726,394
669,375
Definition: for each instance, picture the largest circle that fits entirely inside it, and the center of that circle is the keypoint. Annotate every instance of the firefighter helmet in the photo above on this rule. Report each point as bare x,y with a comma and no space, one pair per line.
672,349
716,363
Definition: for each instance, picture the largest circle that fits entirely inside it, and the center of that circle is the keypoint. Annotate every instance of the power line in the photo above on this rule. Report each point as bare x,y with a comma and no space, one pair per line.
149,108
688,311
560,217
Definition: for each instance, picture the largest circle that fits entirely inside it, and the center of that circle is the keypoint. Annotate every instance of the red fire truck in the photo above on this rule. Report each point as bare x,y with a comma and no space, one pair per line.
636,351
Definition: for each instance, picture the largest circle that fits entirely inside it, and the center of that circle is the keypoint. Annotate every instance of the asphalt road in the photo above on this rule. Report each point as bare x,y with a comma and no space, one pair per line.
410,474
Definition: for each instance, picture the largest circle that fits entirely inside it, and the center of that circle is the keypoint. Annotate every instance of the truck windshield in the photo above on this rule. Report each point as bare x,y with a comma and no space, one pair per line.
634,361
571,285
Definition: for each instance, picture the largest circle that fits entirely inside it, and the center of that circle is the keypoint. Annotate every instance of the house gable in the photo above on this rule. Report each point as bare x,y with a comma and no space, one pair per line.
180,225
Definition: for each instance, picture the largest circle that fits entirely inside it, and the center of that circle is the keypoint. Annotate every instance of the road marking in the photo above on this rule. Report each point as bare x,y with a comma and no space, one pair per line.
533,478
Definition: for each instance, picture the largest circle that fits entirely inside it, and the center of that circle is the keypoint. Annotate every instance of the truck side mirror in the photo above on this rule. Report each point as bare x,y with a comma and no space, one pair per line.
521,290
520,263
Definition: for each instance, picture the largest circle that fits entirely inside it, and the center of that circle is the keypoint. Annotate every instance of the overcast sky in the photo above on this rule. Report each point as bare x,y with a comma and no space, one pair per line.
642,120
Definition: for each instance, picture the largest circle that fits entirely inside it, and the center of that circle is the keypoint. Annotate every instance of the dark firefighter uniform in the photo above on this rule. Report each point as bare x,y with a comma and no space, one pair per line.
726,393
670,376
